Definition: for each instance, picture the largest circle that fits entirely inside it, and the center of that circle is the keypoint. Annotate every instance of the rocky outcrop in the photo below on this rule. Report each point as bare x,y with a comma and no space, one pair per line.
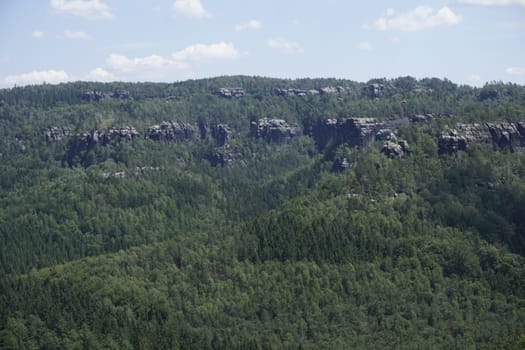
222,133
300,92
375,90
474,132
385,135
290,92
332,90
274,131
56,133
105,137
93,96
359,132
224,156
395,148
121,94
180,132
451,141
170,131
231,92
509,136
504,135
123,133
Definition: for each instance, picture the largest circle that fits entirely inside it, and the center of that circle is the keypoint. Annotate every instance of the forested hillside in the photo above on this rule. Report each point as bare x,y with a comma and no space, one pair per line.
257,213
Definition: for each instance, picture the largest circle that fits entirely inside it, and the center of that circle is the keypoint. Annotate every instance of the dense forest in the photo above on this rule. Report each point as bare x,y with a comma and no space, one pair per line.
256,213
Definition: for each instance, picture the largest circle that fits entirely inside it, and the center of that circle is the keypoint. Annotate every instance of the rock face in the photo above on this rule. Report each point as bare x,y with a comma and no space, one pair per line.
179,132
170,131
395,149
385,135
509,136
224,156
359,132
274,131
474,132
451,141
299,92
105,137
222,133
231,92
121,94
55,133
375,90
90,96
125,132
93,96
290,92
504,135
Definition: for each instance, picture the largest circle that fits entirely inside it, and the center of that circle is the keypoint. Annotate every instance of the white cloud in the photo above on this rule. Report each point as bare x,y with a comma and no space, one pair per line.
286,46
390,12
200,52
76,35
253,24
37,77
421,18
100,74
364,46
190,8
91,9
515,71
37,34
125,64
178,60
494,2
395,40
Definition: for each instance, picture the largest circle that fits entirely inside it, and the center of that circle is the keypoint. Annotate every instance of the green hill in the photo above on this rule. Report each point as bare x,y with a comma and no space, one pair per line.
248,212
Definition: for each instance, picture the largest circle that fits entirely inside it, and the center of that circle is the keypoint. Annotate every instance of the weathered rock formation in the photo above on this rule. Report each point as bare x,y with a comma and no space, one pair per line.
504,135
170,131
395,149
451,141
105,137
274,131
222,133
121,94
224,156
231,92
509,136
300,92
474,132
55,133
375,90
92,96
290,92
385,135
354,131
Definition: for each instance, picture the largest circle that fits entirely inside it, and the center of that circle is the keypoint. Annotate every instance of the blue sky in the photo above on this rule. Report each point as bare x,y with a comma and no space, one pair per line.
467,41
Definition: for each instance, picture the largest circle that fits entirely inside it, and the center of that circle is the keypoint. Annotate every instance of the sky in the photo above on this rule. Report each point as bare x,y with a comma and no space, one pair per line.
467,41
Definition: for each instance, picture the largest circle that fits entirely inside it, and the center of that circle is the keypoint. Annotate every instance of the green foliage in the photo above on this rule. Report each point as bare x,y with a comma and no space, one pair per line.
144,245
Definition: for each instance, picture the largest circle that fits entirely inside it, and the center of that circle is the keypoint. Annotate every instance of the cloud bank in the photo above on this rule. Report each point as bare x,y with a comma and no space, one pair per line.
421,18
